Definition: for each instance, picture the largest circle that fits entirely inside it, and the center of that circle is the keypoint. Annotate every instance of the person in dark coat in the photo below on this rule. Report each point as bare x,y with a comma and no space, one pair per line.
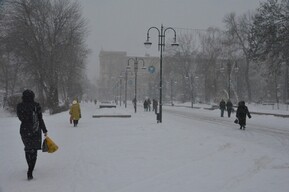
242,113
30,134
155,106
229,106
222,107
149,104
145,105
134,103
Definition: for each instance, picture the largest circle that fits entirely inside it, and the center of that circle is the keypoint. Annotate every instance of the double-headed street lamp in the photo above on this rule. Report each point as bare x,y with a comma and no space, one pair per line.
136,62
120,89
161,44
125,87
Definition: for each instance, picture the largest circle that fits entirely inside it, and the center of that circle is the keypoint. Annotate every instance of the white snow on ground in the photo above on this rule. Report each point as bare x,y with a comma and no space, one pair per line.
192,150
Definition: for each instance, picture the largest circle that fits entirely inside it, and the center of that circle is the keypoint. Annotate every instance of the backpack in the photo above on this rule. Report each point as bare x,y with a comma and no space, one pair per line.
35,120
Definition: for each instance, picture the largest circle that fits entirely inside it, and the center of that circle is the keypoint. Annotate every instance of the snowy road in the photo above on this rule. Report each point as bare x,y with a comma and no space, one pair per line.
192,150
276,127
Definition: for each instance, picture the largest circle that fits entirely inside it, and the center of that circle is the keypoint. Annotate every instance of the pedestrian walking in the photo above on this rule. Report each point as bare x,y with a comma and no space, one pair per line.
222,107
229,106
145,105
134,104
32,124
155,106
242,113
75,113
149,104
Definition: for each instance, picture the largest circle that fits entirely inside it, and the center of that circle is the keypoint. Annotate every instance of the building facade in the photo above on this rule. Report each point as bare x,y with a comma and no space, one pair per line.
116,79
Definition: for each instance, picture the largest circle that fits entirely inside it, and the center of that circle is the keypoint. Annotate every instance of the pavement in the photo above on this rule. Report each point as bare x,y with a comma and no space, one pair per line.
214,107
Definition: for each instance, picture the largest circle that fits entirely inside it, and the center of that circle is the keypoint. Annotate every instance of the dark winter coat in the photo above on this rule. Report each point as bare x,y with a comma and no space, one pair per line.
242,112
145,104
229,105
222,105
31,139
155,104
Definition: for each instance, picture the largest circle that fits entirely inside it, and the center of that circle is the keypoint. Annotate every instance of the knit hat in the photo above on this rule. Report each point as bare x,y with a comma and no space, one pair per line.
28,96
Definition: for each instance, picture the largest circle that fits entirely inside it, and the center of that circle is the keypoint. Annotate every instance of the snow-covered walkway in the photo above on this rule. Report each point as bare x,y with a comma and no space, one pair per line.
192,150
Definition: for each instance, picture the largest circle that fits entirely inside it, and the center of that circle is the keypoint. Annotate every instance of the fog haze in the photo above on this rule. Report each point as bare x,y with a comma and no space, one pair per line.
121,25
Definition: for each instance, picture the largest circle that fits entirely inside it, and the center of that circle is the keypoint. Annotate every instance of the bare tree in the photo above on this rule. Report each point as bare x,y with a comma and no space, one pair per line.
271,41
211,48
239,29
185,64
47,33
10,65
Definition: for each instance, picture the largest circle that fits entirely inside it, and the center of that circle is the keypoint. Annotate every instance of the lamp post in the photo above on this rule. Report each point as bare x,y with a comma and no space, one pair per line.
190,82
229,70
161,44
125,87
120,88
136,62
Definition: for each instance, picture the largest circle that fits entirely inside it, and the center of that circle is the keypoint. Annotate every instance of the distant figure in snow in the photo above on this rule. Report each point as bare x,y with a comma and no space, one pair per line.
242,113
155,106
222,107
32,124
145,105
149,104
75,113
134,103
229,106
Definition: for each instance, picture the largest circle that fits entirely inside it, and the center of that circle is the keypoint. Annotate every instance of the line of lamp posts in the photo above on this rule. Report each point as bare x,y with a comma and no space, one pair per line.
136,61
161,44
128,67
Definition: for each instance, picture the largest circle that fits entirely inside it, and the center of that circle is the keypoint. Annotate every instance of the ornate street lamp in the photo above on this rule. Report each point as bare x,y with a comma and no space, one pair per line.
120,89
136,62
161,44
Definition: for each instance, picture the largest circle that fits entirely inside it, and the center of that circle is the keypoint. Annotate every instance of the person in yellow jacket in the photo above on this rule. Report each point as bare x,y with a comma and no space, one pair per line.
75,113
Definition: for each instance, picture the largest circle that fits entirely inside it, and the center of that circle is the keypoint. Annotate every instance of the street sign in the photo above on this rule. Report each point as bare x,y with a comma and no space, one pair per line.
151,69
130,82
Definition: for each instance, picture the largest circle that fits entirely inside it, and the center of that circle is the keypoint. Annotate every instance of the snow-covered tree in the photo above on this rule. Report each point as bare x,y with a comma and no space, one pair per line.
49,38
270,39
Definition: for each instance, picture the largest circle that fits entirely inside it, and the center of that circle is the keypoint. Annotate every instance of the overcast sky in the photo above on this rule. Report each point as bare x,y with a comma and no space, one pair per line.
121,25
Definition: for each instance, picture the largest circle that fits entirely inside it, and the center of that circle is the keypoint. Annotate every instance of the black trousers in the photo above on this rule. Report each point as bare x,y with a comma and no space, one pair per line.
229,113
31,157
75,122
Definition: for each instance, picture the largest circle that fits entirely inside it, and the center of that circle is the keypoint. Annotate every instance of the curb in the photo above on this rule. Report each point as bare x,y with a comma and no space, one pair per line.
118,116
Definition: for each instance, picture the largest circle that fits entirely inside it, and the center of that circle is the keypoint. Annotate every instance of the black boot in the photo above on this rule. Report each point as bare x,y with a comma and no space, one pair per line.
30,169
31,157
29,174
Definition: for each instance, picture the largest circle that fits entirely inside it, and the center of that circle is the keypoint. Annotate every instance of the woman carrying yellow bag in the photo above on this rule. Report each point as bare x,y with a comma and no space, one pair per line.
31,128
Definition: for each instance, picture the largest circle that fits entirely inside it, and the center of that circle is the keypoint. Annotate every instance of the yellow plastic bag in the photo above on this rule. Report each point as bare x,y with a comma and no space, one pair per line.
52,147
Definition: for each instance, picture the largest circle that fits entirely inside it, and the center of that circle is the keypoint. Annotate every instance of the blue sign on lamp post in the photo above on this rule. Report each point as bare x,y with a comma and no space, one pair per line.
151,69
